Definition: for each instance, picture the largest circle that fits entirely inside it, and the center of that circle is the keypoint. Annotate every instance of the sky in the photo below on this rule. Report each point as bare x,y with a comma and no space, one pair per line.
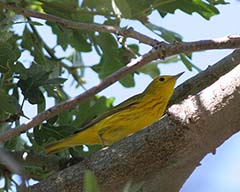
219,172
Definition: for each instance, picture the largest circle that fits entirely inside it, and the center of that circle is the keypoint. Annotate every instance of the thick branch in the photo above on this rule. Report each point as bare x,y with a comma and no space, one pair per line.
168,150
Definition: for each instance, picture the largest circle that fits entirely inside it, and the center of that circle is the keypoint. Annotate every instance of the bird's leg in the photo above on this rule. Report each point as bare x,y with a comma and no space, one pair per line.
101,139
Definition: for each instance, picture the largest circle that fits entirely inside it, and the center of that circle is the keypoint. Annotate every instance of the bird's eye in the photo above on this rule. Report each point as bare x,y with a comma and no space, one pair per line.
161,79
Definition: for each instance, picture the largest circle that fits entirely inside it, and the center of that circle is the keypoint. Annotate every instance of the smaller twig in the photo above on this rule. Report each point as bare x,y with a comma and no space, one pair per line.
122,41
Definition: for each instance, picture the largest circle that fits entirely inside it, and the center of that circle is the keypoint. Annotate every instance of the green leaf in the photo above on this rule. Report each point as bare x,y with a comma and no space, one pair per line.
127,81
206,10
109,59
6,22
63,35
172,59
5,51
35,23
63,8
58,80
33,79
186,62
16,143
113,60
38,55
52,120
218,2
20,69
38,172
35,71
150,69
9,53
66,118
27,39
167,35
31,42
79,41
90,109
8,103
104,7
90,182
41,106
31,91
123,6
47,132
140,9
56,92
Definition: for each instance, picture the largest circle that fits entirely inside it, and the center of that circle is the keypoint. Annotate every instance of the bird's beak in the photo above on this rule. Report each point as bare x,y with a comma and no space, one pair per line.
178,75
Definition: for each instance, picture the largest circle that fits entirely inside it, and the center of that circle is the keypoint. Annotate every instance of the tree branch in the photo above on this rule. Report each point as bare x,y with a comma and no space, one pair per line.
170,49
166,50
127,32
167,150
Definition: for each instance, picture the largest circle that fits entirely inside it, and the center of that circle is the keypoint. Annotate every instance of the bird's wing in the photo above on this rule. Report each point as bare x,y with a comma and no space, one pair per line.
122,106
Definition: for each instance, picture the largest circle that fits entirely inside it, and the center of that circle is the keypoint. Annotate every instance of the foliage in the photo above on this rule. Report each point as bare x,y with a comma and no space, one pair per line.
43,77
90,182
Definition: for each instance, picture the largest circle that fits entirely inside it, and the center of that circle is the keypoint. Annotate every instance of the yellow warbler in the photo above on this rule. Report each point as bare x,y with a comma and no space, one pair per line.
128,117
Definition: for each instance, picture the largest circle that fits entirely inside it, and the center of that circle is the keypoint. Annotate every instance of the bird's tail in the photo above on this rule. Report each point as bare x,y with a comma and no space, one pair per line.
58,146
86,137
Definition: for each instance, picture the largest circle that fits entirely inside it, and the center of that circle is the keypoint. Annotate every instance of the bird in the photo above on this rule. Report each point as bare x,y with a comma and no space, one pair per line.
124,119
